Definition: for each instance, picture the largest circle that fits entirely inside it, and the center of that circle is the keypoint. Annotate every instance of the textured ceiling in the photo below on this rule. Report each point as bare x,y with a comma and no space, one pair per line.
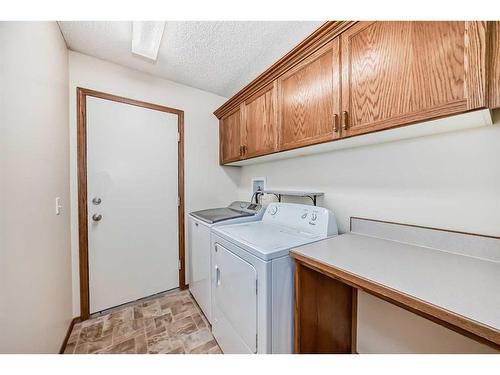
220,57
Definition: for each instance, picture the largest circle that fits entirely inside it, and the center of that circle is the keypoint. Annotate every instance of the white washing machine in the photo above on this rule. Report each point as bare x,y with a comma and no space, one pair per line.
199,239
252,290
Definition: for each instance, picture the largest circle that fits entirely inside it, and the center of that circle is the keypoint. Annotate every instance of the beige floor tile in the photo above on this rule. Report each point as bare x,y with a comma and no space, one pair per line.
199,321
204,348
163,320
127,330
124,347
141,346
100,344
196,339
156,331
179,350
169,323
70,348
82,348
164,344
183,326
117,318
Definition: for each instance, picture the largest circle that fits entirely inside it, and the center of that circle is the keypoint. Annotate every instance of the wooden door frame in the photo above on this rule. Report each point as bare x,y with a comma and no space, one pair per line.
81,108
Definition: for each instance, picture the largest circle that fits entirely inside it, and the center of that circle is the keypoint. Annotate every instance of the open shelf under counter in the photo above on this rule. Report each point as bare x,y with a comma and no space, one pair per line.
451,278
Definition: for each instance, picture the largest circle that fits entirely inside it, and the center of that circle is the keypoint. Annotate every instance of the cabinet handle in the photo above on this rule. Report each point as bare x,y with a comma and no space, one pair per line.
217,276
244,150
241,150
335,123
345,120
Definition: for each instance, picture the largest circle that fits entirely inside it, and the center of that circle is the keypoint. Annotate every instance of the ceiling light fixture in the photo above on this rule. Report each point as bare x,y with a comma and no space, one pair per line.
146,38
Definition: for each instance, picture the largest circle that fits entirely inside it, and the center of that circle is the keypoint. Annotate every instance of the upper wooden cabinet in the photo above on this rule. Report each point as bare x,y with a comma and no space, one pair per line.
259,131
309,99
396,73
351,78
230,148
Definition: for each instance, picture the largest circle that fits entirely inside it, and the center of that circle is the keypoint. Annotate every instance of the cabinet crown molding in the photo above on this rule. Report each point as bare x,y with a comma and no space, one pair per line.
321,36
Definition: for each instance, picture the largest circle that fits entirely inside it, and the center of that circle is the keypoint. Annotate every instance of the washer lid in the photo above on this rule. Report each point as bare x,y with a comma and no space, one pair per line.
215,215
265,240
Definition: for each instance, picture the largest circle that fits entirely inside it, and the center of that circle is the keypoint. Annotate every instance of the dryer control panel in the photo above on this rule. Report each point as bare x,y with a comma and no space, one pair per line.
302,217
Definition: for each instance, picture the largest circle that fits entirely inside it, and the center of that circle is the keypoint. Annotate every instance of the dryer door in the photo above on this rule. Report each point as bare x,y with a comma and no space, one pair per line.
235,302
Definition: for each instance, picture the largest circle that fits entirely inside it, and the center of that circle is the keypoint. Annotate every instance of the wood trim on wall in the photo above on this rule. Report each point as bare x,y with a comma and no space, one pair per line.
180,207
68,333
321,36
81,95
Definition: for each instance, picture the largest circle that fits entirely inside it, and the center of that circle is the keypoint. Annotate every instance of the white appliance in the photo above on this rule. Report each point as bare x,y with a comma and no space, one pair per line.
199,229
252,290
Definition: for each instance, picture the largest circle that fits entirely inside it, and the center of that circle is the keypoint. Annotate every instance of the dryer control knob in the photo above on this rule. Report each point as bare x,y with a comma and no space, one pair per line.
273,210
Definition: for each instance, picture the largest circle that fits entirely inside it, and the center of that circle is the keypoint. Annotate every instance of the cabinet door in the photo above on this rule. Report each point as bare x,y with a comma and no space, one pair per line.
309,99
396,73
259,119
230,137
494,78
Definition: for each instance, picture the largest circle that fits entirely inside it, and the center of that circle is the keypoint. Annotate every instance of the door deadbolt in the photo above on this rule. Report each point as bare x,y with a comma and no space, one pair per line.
96,201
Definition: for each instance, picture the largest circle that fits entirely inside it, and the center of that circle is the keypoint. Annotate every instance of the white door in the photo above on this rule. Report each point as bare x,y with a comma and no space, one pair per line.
132,172
235,303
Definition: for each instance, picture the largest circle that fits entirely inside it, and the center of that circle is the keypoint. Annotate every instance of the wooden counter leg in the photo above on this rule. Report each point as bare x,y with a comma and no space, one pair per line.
324,308
354,328
296,321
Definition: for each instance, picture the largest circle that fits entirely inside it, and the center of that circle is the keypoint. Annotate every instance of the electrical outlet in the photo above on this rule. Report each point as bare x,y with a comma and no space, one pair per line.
58,206
258,184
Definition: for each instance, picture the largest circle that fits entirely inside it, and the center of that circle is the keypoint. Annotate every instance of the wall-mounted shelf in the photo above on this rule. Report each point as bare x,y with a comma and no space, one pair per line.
292,193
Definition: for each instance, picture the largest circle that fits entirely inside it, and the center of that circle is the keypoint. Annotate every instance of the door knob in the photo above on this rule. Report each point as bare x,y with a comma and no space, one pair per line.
96,217
96,201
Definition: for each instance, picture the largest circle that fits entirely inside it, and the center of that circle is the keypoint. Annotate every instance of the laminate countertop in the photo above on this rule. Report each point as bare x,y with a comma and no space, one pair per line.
463,285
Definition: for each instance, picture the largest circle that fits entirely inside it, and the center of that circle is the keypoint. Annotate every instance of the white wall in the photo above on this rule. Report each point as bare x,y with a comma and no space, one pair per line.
206,183
446,181
35,264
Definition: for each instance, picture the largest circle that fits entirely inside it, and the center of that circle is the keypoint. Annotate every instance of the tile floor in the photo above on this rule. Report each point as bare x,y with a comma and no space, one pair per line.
168,323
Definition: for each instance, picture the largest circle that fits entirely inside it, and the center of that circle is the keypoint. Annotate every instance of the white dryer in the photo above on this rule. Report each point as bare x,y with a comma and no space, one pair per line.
199,232
252,290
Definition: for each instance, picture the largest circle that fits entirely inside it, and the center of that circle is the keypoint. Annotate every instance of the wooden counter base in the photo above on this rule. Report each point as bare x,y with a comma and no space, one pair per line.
325,309
324,312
